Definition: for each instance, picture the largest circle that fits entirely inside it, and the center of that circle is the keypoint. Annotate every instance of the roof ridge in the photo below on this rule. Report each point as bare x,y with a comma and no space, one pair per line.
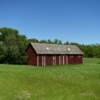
53,44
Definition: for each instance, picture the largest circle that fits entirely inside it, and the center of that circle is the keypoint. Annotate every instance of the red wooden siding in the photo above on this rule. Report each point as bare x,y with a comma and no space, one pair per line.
57,59
40,60
61,59
75,59
49,60
32,57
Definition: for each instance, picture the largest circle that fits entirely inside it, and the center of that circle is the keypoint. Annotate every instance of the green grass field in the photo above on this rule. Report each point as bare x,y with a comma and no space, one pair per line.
68,82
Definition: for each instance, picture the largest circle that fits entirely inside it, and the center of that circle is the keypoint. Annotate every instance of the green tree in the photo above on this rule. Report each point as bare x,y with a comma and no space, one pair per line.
33,40
56,41
15,46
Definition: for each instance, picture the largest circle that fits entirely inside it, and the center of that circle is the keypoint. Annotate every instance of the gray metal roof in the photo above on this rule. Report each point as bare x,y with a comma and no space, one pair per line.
43,48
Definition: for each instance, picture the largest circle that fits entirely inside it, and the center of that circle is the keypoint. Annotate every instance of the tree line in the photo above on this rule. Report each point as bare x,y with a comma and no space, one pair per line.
13,46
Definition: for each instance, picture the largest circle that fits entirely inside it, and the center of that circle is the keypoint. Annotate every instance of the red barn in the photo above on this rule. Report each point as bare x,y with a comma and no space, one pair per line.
41,54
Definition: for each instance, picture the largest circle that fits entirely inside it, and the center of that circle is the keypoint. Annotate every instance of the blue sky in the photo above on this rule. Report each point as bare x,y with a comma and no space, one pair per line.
67,20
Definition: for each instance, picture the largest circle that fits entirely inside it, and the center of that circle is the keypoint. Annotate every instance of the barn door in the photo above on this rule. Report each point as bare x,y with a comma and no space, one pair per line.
43,61
54,60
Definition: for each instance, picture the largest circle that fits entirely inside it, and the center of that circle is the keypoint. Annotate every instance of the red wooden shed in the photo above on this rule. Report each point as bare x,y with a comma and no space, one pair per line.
42,54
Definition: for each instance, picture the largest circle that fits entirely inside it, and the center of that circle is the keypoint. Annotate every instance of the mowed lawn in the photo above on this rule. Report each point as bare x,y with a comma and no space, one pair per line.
68,82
